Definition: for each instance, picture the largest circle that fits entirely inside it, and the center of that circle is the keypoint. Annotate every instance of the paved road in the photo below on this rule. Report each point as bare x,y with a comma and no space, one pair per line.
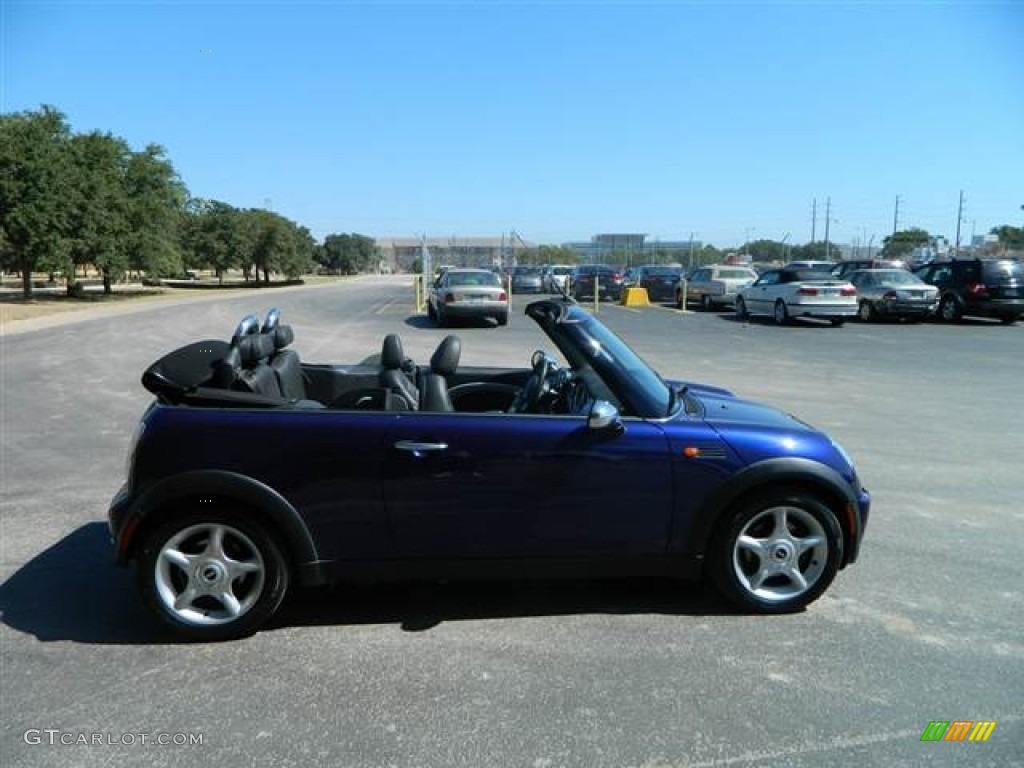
928,625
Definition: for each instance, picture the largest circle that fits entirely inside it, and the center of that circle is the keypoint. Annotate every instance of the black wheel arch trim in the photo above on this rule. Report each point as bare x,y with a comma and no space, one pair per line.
787,471
228,485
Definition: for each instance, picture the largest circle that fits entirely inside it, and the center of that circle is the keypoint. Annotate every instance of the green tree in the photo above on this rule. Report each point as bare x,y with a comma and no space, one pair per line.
900,244
1010,238
767,250
348,254
156,204
36,195
100,225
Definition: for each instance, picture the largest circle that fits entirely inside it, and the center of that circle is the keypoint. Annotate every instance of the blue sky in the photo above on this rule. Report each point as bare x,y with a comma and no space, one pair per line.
558,120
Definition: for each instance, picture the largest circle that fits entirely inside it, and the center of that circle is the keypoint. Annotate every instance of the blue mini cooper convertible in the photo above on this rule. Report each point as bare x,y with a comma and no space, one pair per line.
254,471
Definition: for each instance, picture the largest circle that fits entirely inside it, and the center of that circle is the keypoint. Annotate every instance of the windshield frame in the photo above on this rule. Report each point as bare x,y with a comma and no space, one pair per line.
589,345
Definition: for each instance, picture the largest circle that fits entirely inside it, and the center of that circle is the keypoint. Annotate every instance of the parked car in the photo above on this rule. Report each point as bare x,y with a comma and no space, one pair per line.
597,466
715,286
893,293
659,280
556,278
467,293
527,279
787,293
609,281
846,268
977,287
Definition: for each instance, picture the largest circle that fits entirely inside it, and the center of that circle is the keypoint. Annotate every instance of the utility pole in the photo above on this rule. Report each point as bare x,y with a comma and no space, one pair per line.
814,218
959,218
691,249
828,219
896,217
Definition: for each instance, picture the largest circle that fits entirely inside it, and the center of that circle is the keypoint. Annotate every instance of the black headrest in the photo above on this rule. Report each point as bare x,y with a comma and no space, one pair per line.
391,354
273,318
445,359
226,370
254,348
282,336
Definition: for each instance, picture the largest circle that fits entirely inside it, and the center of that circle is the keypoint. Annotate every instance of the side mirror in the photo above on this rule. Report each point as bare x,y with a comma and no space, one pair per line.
604,417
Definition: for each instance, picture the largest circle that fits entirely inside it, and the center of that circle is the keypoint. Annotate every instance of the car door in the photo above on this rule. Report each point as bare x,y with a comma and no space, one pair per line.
761,296
464,485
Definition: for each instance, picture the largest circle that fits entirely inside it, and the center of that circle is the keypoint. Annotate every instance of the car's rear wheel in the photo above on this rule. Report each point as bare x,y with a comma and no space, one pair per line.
949,309
837,322
502,318
741,309
780,313
778,553
213,576
866,312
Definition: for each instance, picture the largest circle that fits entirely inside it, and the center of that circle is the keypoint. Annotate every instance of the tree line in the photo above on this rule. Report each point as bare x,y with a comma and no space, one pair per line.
73,201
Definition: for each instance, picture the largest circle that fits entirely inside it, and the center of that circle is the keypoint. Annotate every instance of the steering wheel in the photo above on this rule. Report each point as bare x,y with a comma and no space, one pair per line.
536,386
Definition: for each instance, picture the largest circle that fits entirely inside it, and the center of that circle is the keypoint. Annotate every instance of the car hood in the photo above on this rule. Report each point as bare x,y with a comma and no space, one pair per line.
723,409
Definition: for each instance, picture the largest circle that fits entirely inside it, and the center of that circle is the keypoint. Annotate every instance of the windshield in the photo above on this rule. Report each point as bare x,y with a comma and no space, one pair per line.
896,277
633,386
473,278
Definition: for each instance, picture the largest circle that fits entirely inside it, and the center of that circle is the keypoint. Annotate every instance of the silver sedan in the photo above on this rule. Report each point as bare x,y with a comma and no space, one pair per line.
893,293
468,293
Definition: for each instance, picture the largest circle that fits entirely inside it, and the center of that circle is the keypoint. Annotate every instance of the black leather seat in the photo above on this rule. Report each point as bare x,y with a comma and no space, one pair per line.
394,374
443,363
286,364
256,375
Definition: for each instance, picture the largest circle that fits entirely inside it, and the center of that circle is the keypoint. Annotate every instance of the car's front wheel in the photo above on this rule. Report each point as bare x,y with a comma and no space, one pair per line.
706,303
212,576
778,553
741,309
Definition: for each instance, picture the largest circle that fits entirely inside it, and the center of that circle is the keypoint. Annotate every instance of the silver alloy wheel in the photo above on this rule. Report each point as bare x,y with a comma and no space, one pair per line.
780,312
865,312
780,554
209,574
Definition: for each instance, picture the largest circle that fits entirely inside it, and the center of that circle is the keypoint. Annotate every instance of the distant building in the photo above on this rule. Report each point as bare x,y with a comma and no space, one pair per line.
631,248
401,252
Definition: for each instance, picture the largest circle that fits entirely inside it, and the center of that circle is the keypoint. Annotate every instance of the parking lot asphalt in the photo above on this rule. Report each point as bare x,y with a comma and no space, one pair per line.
926,626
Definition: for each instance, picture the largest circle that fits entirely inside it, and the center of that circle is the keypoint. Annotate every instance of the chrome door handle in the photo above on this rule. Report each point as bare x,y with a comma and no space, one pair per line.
416,447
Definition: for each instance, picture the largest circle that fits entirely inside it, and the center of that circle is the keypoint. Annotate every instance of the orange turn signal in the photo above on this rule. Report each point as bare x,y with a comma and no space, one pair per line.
691,452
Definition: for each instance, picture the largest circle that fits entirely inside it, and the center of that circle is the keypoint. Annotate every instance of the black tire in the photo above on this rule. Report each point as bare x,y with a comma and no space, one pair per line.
950,310
1008,319
780,314
217,573
431,314
706,303
866,312
762,585
837,322
741,309
502,319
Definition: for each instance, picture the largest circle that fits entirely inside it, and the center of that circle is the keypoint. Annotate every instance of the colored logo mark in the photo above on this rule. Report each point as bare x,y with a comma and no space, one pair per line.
958,730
